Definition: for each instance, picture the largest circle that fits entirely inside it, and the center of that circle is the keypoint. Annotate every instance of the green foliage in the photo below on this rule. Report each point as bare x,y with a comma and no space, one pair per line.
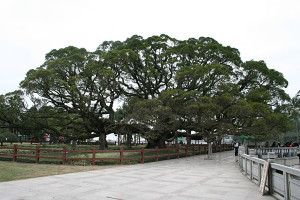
8,136
169,87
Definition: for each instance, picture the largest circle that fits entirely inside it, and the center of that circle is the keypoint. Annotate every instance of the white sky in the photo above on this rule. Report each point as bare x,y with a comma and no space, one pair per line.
266,30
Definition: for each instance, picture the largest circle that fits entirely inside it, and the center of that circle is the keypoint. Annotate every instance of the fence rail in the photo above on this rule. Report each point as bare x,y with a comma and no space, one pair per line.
2,142
67,154
282,182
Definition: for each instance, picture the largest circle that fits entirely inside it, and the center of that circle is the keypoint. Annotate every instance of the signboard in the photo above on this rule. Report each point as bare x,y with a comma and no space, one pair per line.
264,178
47,137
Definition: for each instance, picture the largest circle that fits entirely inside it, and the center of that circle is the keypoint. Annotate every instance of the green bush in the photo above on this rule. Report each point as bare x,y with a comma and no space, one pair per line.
2,137
9,136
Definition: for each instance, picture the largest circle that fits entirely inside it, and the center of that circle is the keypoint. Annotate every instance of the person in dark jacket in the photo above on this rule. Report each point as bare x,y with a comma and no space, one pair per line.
236,145
273,144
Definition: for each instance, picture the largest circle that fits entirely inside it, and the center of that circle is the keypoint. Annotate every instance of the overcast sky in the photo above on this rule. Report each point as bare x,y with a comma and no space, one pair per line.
266,30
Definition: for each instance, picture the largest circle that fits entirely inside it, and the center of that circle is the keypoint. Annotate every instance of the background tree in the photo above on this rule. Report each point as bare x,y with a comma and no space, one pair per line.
78,82
294,113
13,111
261,84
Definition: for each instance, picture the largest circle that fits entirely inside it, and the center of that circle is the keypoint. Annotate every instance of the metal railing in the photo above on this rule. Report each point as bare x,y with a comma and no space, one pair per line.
282,182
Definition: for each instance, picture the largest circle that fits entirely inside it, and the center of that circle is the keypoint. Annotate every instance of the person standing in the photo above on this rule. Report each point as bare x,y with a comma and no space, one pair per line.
236,145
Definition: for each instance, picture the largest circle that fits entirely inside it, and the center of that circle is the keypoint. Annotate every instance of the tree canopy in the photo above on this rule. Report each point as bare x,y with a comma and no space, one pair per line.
168,87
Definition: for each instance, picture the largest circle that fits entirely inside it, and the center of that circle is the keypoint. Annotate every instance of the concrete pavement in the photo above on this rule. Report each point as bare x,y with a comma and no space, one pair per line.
177,179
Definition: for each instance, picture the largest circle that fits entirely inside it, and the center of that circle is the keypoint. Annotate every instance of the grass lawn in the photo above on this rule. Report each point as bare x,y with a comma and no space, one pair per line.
10,171
25,167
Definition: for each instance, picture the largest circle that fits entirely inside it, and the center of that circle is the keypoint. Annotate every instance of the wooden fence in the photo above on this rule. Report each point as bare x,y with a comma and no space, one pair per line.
177,151
2,142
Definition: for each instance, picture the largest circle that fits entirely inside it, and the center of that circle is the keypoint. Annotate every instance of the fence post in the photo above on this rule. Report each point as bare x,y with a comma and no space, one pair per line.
142,155
121,155
64,155
270,185
286,185
94,156
177,151
156,153
193,149
37,154
15,153
258,172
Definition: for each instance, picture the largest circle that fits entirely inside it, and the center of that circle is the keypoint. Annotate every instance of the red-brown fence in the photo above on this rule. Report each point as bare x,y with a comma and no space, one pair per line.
20,141
176,151
2,142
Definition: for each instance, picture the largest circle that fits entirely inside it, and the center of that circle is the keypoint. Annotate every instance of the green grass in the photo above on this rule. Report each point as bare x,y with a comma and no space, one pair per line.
10,171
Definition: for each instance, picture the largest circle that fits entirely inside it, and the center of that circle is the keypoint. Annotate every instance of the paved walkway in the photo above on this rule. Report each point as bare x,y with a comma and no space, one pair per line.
178,179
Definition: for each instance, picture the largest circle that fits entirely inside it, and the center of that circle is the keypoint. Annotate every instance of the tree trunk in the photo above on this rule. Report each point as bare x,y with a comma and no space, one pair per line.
176,141
128,142
297,130
102,140
188,139
139,140
160,143
209,151
73,143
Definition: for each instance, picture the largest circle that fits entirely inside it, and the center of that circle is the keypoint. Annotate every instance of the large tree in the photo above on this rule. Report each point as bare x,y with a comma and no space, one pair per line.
77,81
147,67
195,85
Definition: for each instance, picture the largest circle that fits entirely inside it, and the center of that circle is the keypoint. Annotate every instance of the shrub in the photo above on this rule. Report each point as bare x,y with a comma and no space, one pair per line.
9,136
2,137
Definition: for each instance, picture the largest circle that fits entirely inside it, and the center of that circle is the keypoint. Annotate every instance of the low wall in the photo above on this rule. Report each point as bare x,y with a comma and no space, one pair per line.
282,182
279,151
